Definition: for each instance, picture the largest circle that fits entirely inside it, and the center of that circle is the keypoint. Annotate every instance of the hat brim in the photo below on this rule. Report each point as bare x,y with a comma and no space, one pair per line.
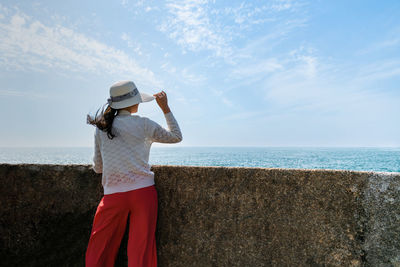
142,97
146,97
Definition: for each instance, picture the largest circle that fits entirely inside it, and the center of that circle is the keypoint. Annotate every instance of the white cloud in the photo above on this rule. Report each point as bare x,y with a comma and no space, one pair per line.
261,67
27,44
227,102
16,93
132,44
247,14
191,78
245,115
327,90
124,3
281,76
389,43
384,69
222,96
205,25
282,5
308,61
168,68
191,26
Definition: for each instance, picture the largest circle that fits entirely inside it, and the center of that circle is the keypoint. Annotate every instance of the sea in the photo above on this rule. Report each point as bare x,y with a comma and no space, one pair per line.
359,159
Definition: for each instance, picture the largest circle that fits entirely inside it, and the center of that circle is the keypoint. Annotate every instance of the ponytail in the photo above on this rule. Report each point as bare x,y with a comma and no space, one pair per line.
103,120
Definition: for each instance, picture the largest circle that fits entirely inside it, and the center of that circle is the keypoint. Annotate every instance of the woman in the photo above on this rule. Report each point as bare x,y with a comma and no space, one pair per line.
121,154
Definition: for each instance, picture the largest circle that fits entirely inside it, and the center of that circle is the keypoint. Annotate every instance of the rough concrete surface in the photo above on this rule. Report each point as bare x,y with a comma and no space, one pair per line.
210,216
382,205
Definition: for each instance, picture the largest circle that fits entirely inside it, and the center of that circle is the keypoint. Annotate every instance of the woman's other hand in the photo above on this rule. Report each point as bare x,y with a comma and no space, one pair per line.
162,101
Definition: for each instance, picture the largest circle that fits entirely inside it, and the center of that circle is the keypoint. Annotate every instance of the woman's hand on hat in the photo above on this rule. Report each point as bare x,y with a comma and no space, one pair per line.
162,101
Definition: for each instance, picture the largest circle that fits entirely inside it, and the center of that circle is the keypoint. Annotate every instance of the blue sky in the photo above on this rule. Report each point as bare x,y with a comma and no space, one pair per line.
237,73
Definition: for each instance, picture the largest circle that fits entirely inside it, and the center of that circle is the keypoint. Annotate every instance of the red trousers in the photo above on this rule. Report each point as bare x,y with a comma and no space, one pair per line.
109,227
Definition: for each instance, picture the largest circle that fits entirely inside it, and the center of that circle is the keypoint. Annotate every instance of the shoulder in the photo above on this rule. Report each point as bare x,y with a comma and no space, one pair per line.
141,118
135,121
149,124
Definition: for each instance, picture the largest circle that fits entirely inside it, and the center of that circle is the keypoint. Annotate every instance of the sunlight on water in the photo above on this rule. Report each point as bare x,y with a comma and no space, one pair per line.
363,159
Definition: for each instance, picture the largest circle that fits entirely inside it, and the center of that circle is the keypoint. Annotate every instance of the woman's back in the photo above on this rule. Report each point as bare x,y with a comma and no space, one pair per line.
123,160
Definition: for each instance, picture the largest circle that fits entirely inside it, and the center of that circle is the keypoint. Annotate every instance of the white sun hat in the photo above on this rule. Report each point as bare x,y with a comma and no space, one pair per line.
124,94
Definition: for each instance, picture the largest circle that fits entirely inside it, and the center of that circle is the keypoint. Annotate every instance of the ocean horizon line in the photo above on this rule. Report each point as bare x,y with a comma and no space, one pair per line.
211,146
352,158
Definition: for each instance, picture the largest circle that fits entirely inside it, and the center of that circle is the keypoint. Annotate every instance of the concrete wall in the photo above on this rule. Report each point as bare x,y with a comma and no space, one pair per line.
210,216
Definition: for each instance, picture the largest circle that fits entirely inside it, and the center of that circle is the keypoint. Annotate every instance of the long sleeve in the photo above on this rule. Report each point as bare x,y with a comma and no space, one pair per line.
158,134
97,159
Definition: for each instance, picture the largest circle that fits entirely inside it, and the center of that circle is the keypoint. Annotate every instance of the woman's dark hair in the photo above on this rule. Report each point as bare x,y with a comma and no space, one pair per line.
103,120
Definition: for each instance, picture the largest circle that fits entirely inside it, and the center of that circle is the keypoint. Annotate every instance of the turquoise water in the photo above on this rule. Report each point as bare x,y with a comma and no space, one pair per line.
362,159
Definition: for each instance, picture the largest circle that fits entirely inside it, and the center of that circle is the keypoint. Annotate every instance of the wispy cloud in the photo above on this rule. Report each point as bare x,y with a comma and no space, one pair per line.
18,93
190,77
124,3
312,85
302,82
247,14
190,24
223,98
132,44
380,70
260,67
392,41
198,25
28,44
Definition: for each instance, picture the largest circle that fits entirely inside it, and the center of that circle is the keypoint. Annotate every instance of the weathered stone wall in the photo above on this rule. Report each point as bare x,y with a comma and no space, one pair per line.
210,216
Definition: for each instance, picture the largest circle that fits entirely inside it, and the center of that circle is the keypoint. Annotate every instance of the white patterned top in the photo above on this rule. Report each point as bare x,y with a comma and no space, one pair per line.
123,160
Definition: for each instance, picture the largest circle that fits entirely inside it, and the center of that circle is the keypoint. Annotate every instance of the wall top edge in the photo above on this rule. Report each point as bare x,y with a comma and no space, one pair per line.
89,166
